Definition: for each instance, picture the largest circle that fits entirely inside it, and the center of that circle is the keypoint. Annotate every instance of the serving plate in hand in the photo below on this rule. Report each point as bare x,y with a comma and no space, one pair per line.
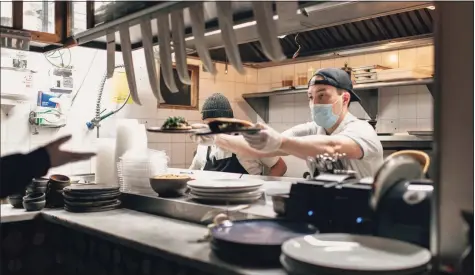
170,131
225,184
234,131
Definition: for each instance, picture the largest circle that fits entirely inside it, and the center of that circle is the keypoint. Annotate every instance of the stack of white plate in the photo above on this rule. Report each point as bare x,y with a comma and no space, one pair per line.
348,254
225,191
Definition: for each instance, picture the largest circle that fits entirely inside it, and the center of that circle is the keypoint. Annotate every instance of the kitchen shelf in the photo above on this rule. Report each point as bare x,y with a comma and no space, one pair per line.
18,70
368,93
7,103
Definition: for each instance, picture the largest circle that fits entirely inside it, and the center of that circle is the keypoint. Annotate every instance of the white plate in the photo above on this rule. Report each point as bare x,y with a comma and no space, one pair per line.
356,253
221,184
224,201
252,194
226,190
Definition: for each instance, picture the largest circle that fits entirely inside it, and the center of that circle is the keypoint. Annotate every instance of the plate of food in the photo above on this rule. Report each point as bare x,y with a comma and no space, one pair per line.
228,126
173,125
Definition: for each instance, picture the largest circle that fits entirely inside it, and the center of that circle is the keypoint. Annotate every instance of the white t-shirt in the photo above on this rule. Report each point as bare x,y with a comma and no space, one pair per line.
253,166
358,130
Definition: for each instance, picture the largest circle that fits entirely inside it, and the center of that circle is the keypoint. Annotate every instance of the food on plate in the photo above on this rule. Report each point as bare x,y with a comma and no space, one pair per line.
171,176
228,124
176,123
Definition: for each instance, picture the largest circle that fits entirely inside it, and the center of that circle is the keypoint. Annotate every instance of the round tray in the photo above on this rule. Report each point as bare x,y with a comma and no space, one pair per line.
168,131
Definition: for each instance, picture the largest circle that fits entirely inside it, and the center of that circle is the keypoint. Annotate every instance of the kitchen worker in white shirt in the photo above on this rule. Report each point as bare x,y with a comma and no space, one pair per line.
214,158
333,129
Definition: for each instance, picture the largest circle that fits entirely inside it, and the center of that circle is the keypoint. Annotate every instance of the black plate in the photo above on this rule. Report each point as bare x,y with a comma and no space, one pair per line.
80,209
256,242
169,131
90,188
91,197
261,232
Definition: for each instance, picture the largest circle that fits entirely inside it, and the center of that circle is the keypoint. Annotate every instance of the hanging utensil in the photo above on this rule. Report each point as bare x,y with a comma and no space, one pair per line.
178,37
126,46
266,28
146,29
198,29
225,19
110,54
164,52
312,166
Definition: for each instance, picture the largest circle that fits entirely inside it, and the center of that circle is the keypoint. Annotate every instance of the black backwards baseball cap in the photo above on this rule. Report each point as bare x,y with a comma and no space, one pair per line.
335,77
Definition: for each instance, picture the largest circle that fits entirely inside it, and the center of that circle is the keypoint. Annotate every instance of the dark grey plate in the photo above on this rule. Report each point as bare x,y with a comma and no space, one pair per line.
168,131
79,209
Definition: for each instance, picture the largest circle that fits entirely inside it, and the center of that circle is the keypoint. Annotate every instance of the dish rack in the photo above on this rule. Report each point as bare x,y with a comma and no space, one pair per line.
135,168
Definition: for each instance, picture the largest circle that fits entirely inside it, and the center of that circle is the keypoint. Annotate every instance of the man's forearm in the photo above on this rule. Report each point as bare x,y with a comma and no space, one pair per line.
307,146
239,146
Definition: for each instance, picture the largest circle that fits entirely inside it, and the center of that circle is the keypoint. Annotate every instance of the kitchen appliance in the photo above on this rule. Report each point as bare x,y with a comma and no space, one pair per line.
333,203
255,242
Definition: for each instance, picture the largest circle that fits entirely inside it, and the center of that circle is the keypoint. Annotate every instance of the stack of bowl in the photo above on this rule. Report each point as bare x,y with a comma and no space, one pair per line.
37,186
54,190
34,201
16,200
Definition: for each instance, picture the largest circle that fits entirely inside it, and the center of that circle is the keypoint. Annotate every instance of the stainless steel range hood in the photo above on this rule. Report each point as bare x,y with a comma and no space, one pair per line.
317,15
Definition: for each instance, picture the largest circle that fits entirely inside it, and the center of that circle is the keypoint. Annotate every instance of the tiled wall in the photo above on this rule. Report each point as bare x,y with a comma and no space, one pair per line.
400,109
17,133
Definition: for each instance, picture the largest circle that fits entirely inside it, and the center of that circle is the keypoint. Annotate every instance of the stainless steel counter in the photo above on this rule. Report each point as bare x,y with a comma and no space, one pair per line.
405,141
186,209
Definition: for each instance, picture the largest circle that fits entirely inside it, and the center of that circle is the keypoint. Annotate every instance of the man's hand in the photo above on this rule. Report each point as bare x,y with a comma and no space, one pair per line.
267,140
58,157
202,140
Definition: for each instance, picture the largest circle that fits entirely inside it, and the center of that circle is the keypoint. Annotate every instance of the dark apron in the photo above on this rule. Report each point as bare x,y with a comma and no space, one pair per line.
229,165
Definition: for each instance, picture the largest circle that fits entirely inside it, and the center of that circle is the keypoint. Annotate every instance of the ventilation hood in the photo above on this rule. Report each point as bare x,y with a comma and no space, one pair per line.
323,26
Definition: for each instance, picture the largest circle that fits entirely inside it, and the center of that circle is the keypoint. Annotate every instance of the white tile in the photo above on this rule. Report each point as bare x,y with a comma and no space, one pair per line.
190,151
407,106
424,105
405,125
408,90
239,78
301,113
166,147
357,110
388,106
276,74
230,76
251,76
425,124
178,151
387,126
264,76
82,167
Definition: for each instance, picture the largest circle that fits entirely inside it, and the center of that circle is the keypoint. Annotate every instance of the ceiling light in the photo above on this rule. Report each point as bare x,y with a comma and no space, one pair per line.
431,7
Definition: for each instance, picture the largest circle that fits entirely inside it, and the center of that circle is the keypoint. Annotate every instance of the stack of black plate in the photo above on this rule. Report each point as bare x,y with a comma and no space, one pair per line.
257,242
90,198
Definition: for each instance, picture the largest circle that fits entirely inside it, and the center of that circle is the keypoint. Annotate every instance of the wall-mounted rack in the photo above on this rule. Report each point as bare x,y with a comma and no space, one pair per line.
368,93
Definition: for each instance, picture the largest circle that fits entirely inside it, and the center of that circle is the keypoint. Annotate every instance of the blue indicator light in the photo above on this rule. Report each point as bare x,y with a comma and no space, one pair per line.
310,213
359,220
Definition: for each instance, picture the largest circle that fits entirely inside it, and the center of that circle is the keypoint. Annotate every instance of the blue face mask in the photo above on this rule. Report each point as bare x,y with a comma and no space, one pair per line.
323,115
